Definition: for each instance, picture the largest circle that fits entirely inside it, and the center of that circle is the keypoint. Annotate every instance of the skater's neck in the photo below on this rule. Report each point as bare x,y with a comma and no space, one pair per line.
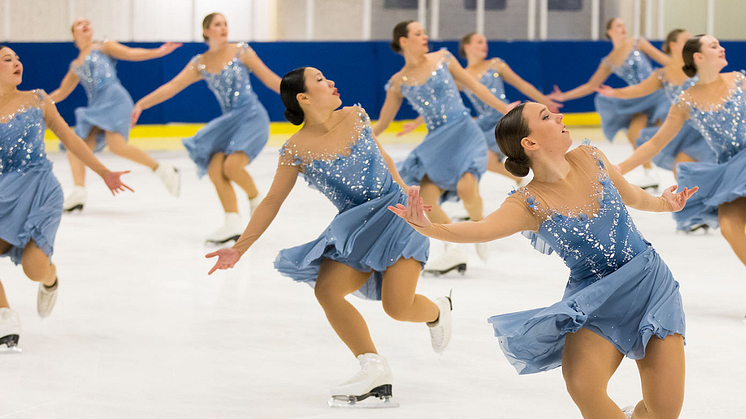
319,121
7,90
414,59
84,44
707,76
549,167
216,45
472,61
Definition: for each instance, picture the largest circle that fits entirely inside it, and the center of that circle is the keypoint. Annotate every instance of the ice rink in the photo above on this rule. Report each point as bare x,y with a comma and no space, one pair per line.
141,331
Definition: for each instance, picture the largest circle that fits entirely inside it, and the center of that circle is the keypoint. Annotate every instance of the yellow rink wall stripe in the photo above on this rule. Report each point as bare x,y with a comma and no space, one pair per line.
168,137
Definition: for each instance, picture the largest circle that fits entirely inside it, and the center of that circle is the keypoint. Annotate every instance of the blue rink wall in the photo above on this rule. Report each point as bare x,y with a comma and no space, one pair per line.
360,70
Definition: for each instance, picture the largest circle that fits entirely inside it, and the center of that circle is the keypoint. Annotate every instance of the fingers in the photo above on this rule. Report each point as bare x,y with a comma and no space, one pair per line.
127,187
214,268
211,255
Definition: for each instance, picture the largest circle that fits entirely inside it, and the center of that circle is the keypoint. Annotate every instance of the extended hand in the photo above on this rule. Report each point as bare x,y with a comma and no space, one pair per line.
414,212
606,90
513,105
407,128
136,111
678,200
168,48
556,94
114,183
226,259
553,106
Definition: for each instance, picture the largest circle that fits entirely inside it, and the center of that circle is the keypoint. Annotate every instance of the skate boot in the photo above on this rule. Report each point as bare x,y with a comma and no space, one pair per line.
75,200
10,331
483,251
254,202
701,227
231,230
628,411
452,258
649,180
373,379
45,299
170,177
440,330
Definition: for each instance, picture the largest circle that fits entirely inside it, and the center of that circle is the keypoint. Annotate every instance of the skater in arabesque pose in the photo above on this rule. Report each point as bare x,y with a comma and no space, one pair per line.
366,250
621,299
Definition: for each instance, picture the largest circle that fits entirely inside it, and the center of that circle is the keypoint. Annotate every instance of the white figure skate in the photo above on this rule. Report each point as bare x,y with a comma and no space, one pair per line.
649,179
170,177
231,230
483,251
373,380
628,411
75,200
10,331
440,331
45,299
452,258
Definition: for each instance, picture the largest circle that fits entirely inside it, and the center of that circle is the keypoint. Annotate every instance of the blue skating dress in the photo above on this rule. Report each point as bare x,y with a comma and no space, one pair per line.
688,141
619,287
724,128
616,114
244,124
30,196
454,144
487,116
365,235
109,104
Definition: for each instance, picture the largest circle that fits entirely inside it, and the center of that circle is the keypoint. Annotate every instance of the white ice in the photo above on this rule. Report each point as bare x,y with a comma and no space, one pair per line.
141,331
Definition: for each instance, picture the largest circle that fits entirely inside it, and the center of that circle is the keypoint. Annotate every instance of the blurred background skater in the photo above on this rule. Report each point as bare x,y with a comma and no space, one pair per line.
30,195
453,156
227,144
366,250
630,60
105,121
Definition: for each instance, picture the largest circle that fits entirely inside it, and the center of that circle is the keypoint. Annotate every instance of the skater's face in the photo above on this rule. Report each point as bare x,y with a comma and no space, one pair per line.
477,47
416,40
617,29
711,54
82,29
548,133
320,92
677,46
217,30
11,69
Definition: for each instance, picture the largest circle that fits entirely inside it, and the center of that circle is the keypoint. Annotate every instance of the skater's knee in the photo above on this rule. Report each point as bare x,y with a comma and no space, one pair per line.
396,309
466,188
326,293
233,166
35,270
581,387
732,229
215,173
667,408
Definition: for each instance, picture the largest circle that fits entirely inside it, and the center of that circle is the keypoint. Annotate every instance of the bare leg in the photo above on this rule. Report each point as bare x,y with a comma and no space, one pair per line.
76,165
335,281
662,376
4,247
588,362
223,187
119,146
682,158
638,122
430,194
496,166
37,266
398,294
234,169
732,218
468,191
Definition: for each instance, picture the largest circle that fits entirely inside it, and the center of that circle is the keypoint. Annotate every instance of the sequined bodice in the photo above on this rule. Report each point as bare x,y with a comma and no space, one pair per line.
437,100
492,80
22,140
635,68
97,72
724,125
232,86
673,91
591,245
353,176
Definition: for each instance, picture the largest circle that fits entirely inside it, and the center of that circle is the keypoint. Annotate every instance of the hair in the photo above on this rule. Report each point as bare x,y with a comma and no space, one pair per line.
509,132
672,37
466,40
293,83
207,21
401,29
692,45
608,26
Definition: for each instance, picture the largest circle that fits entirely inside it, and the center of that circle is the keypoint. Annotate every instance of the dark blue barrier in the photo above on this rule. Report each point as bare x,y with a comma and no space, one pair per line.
360,70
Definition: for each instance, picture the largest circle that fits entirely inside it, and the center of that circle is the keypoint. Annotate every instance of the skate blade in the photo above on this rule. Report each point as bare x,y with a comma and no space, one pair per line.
650,187
9,345
378,398
461,268
78,207
221,242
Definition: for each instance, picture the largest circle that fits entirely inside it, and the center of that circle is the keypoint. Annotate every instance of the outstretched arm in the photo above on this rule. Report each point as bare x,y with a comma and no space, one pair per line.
69,82
411,126
659,56
263,216
526,88
186,77
257,66
480,90
390,107
123,52
602,73
646,87
671,126
512,217
391,166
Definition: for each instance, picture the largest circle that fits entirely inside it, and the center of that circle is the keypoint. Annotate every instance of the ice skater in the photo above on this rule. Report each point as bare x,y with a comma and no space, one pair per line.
492,73
630,60
689,145
227,144
621,298
715,106
453,156
30,195
106,119
366,250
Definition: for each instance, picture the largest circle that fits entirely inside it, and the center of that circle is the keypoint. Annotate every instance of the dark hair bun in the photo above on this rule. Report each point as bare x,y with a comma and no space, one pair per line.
294,118
690,70
517,167
395,46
